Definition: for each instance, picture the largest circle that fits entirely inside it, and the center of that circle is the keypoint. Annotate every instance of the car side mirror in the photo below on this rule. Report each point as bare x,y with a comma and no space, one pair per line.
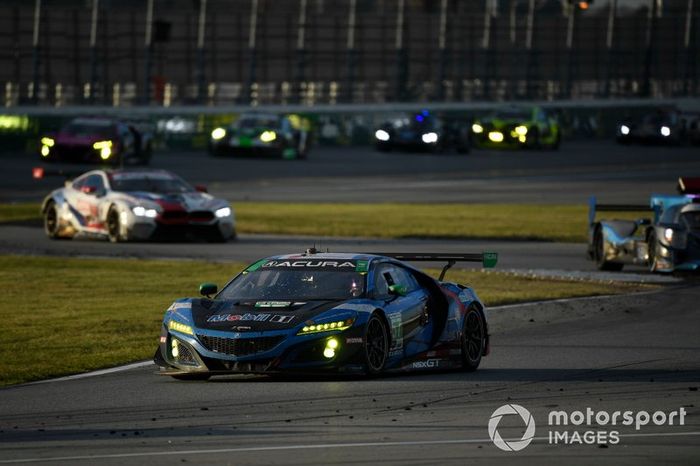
397,290
208,289
201,188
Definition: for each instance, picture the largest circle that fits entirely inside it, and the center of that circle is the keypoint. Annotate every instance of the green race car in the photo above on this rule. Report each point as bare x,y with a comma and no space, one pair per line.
517,127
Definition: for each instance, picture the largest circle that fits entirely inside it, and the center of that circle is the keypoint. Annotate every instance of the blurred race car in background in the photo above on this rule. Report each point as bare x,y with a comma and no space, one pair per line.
321,312
666,241
517,127
660,127
286,136
101,140
422,131
126,205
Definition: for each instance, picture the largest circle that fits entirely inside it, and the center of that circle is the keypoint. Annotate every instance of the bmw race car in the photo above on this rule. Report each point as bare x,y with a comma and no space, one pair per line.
422,131
98,140
517,127
660,127
668,240
285,136
321,312
125,205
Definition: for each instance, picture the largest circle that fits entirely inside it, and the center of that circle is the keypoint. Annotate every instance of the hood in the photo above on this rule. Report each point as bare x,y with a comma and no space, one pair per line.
256,316
78,140
191,201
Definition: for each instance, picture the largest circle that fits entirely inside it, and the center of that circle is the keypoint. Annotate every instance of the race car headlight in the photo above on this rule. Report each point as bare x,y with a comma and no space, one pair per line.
477,128
45,151
668,234
218,133
521,130
330,349
105,148
326,327
223,212
268,136
141,211
496,136
625,130
429,138
665,131
381,135
179,327
48,142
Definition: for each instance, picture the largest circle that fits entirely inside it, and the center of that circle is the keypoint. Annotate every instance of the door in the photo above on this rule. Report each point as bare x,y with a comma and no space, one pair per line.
86,194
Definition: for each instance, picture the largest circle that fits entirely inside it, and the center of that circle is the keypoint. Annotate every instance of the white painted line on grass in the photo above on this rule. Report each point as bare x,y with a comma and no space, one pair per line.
303,447
85,375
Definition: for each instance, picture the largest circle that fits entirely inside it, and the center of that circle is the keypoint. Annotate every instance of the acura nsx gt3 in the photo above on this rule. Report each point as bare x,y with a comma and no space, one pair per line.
320,312
517,127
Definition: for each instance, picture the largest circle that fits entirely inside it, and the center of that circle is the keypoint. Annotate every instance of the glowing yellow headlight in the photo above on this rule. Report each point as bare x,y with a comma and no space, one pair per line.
521,130
477,128
496,136
327,327
178,327
45,151
268,136
218,133
48,142
105,148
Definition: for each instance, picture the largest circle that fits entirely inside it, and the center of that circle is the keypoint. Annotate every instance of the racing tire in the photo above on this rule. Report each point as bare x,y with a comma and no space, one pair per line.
191,377
651,251
51,224
376,346
473,339
599,254
114,226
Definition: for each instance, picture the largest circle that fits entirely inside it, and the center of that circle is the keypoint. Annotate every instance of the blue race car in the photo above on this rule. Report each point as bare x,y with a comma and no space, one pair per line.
319,312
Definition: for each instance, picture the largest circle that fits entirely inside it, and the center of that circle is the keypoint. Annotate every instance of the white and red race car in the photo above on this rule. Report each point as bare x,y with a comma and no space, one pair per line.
135,205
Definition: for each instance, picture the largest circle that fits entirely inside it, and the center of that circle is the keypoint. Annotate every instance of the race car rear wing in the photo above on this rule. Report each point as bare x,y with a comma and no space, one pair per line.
594,207
487,259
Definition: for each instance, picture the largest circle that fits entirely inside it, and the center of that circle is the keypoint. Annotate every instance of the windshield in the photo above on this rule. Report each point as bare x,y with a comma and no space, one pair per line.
258,122
149,183
691,220
296,285
88,129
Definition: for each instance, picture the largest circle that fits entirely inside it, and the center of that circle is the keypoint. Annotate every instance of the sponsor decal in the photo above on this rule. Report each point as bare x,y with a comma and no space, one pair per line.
353,340
248,317
396,333
272,304
174,306
428,363
309,263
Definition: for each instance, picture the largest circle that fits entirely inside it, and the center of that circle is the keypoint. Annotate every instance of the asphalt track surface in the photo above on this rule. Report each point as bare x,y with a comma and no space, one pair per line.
626,353
578,170
637,353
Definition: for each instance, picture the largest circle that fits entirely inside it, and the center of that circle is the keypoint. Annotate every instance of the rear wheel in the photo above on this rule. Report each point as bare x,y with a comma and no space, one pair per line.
376,345
599,254
51,223
114,226
473,339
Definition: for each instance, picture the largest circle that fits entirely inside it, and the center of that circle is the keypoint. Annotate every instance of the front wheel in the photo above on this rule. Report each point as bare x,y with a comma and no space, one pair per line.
599,254
651,252
473,339
376,345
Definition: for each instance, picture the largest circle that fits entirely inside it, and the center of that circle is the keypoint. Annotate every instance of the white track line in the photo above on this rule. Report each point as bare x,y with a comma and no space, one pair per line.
85,375
302,447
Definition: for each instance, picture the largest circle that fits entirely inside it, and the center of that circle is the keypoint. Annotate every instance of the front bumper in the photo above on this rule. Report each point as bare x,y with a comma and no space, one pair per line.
218,352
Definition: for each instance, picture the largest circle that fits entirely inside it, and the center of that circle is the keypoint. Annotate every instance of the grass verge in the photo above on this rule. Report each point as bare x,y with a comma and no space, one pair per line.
566,223
63,316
